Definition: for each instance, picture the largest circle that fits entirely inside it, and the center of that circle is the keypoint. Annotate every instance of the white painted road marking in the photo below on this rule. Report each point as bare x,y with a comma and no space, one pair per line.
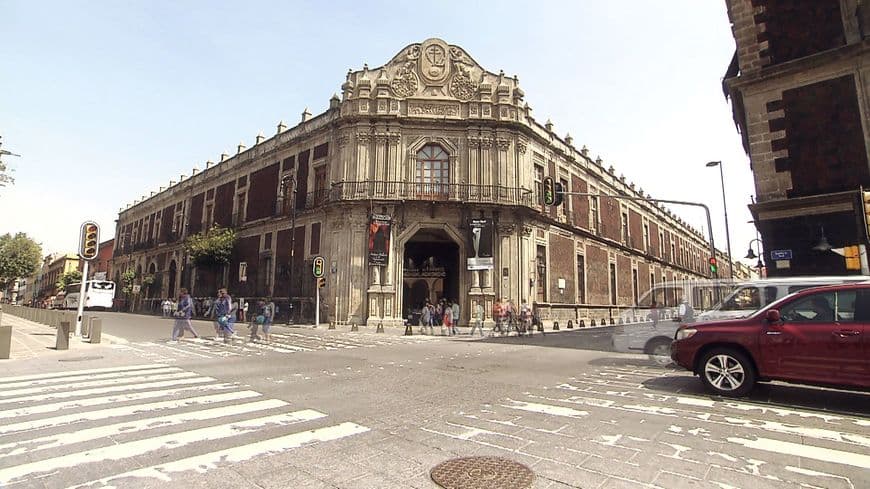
806,451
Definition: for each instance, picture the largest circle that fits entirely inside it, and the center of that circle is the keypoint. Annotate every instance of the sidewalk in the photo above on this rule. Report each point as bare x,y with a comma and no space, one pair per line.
36,340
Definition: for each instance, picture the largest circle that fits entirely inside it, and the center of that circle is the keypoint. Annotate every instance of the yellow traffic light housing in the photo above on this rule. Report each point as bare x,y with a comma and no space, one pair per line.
89,240
321,282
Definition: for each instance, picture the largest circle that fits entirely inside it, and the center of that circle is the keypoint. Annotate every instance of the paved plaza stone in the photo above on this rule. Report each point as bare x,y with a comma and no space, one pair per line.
331,408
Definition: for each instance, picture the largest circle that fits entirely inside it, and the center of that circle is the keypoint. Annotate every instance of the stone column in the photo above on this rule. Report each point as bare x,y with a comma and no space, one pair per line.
486,170
380,161
362,160
504,177
395,161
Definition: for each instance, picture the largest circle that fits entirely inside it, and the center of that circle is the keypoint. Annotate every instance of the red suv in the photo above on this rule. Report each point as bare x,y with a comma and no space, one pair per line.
815,336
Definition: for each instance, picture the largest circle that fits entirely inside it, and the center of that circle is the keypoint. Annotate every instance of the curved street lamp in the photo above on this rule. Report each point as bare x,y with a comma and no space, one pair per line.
750,255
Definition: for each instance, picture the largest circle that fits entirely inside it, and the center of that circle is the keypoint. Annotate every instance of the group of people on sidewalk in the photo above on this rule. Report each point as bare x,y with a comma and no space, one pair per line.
225,312
444,314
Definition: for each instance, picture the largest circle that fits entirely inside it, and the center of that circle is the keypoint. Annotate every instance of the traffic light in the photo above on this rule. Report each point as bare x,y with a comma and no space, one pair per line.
852,254
557,201
89,240
321,282
714,267
317,267
549,191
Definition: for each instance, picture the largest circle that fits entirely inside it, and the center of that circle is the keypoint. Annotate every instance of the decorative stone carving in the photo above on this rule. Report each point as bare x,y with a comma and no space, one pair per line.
473,141
381,138
434,109
342,140
486,142
405,83
506,228
462,86
526,230
394,137
364,137
434,65
522,144
503,144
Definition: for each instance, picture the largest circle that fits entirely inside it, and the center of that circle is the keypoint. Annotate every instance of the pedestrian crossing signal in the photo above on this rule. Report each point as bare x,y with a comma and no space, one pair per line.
321,282
714,266
89,240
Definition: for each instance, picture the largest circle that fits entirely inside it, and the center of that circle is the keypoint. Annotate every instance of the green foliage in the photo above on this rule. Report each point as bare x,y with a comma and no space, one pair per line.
127,279
5,177
68,278
211,247
19,257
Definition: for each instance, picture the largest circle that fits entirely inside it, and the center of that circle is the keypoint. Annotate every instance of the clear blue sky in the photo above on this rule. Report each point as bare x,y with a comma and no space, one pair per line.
107,101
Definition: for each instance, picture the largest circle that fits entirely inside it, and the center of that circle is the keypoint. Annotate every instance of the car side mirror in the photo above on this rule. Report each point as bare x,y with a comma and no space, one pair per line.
773,316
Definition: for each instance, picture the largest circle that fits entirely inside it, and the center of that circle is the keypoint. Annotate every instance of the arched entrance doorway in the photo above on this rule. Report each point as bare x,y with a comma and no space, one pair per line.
173,269
430,270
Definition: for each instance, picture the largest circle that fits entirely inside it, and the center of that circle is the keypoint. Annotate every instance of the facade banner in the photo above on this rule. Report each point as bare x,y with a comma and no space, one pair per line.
379,240
481,245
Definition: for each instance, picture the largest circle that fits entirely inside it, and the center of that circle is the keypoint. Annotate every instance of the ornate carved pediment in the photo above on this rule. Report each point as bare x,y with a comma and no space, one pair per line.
430,70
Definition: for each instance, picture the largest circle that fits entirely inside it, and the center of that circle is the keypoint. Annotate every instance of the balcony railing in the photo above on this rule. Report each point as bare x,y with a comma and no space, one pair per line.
443,192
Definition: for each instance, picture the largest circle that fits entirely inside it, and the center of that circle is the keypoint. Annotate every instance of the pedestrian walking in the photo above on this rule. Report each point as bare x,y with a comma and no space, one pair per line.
426,317
478,319
225,316
268,317
243,312
447,320
257,319
167,307
183,315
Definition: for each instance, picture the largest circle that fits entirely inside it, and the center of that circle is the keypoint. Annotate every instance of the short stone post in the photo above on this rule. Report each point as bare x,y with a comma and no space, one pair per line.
95,329
570,324
61,341
555,325
5,341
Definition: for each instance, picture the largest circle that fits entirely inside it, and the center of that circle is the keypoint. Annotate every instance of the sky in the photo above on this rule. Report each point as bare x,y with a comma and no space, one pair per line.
108,101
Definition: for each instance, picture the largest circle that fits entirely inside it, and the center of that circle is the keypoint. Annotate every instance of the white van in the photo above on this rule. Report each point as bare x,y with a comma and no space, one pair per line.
752,296
643,329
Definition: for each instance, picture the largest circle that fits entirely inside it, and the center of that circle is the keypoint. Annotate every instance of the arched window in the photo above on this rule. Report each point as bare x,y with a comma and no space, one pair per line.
433,170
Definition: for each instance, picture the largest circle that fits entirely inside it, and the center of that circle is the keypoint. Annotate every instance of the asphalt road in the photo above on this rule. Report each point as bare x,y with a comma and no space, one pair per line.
321,408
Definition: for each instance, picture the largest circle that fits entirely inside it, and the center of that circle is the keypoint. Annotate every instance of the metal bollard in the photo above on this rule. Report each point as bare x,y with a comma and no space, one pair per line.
62,339
555,325
5,341
331,325
380,328
592,324
582,323
96,330
408,329
354,327
570,324
611,321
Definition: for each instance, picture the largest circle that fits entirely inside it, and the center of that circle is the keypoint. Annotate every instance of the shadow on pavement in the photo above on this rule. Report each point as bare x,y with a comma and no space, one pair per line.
634,361
776,395
598,339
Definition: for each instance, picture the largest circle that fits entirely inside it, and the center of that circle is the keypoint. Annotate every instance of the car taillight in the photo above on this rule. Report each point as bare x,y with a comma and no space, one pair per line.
685,333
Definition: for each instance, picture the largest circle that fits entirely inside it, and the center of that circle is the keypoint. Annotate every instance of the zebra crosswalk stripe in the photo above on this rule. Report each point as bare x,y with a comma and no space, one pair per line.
202,463
60,375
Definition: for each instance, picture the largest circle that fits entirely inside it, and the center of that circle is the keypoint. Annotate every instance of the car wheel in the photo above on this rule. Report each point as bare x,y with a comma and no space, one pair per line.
659,351
727,372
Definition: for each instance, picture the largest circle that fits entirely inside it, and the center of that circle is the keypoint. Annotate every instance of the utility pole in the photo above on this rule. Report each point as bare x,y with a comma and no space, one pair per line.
292,181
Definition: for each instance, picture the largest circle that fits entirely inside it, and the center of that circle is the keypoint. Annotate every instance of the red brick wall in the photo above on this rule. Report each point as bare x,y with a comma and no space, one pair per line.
635,229
623,281
302,179
263,193
798,28
580,204
611,225
654,239
166,223
562,265
246,250
824,138
643,278
223,204
195,219
597,275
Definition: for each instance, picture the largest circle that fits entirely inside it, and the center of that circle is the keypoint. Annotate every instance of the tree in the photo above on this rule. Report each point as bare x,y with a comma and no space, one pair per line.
19,257
212,247
5,177
68,278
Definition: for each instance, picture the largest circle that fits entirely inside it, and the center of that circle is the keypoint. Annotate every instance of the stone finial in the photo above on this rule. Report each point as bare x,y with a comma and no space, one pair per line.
549,125
334,101
182,177
622,178
172,182
599,161
306,115
241,147
260,138
631,185
194,171
568,139
281,127
162,188
610,169
224,156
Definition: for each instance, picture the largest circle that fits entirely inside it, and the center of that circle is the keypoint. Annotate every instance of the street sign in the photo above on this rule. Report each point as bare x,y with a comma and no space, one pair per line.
780,255
318,266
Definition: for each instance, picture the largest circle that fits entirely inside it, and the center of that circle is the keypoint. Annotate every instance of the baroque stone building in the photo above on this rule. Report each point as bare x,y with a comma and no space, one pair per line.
421,181
798,85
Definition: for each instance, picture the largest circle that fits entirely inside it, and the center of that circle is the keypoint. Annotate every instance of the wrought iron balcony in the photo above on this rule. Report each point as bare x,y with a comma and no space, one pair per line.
438,192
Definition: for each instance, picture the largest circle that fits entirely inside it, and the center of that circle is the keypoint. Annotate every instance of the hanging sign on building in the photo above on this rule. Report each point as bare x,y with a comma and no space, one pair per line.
379,240
480,256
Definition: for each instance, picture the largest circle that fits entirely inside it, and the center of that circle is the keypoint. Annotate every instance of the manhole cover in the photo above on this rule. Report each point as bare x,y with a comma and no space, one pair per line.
482,473
79,359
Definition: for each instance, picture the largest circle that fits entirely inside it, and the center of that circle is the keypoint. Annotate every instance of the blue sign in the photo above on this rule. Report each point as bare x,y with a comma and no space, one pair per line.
780,255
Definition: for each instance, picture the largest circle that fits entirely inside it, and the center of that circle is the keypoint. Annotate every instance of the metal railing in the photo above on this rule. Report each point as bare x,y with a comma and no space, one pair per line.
439,192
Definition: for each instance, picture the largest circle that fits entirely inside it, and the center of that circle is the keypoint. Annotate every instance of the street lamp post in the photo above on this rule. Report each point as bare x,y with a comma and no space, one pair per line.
725,210
750,255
